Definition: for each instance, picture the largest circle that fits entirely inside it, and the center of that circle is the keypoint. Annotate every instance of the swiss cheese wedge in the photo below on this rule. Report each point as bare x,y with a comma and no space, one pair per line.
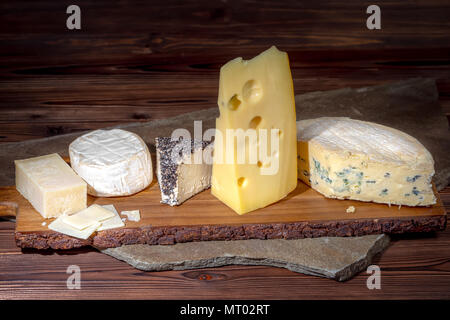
256,99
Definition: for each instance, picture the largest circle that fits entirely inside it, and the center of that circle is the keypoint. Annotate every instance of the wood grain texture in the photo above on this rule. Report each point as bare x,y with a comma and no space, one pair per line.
304,213
141,60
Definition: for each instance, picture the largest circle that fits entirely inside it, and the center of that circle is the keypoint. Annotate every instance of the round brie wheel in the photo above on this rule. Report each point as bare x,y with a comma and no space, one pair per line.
112,162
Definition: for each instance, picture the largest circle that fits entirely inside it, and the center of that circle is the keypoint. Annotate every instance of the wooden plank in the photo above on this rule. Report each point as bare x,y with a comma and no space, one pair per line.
54,81
231,24
48,105
303,213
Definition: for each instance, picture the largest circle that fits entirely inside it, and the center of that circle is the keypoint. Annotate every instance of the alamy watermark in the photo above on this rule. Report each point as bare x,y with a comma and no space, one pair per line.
74,280
374,280
74,20
374,20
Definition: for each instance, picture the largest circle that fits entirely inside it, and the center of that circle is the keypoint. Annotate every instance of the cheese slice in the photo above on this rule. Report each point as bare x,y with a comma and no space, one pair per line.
95,212
84,223
351,159
111,223
181,178
113,162
59,225
255,96
78,222
50,185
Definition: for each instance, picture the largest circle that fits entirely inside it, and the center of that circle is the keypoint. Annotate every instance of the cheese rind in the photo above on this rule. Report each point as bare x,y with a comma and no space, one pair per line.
350,159
181,178
113,162
50,185
253,95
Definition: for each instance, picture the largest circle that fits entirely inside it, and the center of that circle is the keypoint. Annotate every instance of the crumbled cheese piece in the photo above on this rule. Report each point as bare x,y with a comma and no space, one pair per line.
132,215
44,223
351,209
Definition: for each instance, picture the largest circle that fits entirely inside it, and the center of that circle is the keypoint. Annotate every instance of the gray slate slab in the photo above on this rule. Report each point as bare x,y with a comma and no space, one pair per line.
334,258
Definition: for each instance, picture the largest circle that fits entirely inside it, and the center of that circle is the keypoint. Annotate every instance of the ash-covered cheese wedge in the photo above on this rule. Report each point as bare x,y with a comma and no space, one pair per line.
351,159
256,95
50,185
113,162
182,168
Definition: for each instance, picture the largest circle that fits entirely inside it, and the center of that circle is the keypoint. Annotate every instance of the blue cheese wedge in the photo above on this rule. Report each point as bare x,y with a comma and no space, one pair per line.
344,158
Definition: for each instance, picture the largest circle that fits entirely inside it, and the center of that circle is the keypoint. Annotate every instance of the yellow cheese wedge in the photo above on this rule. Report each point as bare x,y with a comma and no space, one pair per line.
255,94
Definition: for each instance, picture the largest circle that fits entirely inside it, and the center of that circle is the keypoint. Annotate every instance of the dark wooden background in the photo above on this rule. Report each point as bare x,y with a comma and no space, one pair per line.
141,60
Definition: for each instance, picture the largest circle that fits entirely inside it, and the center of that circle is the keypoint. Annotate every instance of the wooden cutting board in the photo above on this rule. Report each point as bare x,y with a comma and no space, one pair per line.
303,213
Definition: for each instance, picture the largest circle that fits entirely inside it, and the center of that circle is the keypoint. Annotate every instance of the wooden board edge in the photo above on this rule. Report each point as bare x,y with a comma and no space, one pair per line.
179,234
8,209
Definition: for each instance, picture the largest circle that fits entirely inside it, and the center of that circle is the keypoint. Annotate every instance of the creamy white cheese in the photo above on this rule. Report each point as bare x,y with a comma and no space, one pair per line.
113,162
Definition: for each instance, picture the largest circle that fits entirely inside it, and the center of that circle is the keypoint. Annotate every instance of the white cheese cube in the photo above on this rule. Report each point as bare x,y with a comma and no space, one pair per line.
50,185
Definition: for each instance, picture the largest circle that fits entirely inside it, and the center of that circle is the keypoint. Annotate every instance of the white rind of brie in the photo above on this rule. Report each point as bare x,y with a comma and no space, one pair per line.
112,162
350,159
